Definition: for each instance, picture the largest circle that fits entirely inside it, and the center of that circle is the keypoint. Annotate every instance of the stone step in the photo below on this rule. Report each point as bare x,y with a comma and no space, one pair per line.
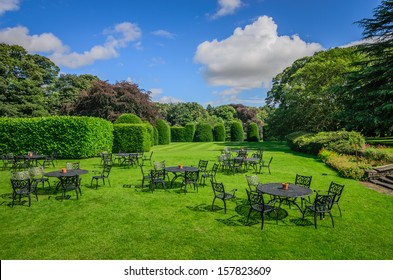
386,180
384,168
383,184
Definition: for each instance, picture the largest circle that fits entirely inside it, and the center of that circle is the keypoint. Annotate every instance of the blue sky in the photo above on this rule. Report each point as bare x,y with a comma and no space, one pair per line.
208,51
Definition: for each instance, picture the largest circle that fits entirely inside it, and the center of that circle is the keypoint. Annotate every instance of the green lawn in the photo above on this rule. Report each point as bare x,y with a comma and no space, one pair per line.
125,222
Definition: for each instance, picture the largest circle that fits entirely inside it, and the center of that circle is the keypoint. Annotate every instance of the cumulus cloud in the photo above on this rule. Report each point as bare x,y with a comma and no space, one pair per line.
117,37
8,5
250,57
169,100
227,7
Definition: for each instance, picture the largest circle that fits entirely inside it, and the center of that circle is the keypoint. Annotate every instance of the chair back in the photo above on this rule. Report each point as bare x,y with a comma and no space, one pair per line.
191,176
255,198
323,202
214,169
302,180
242,153
157,175
202,165
20,175
336,189
36,171
21,186
73,165
218,187
159,165
107,168
252,181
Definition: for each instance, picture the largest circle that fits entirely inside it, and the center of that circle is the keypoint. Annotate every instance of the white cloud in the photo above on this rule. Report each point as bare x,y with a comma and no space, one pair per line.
118,37
227,7
164,33
8,5
156,92
250,57
169,99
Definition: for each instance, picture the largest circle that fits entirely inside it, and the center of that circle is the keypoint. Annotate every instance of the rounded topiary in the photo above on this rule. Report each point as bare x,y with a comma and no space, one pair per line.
203,133
219,132
164,132
237,133
253,132
128,118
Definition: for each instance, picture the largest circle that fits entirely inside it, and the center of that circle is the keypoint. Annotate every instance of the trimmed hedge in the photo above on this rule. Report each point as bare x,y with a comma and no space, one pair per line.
177,134
237,133
164,132
203,133
131,137
189,132
253,132
71,137
219,132
128,118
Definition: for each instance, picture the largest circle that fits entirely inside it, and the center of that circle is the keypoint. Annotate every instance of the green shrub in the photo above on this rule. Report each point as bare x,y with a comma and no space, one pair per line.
219,132
177,134
128,118
348,166
339,141
71,137
189,132
237,133
155,135
203,133
131,137
164,132
253,132
378,156
150,128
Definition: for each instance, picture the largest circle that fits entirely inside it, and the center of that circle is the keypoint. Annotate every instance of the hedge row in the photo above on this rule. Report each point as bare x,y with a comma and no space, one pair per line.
343,142
71,137
131,137
183,134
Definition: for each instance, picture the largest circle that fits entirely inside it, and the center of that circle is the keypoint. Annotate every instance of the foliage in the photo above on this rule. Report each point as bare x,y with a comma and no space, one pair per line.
110,101
377,155
252,132
177,134
219,132
236,132
368,95
65,90
23,79
128,118
183,113
348,166
305,94
189,132
203,133
339,141
164,132
131,137
71,137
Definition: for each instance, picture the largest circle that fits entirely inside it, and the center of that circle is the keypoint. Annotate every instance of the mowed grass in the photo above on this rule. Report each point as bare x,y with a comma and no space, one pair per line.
124,222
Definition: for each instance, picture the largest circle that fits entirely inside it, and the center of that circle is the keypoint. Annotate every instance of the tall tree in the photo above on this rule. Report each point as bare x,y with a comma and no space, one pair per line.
23,81
369,92
305,94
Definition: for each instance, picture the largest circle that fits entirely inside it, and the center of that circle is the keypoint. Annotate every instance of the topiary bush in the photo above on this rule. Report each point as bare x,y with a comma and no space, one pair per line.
219,132
189,132
177,134
71,137
203,133
253,132
131,137
237,133
128,118
164,132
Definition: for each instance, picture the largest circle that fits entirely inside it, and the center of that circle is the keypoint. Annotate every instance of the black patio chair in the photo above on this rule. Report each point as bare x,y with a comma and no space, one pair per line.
220,193
210,174
145,175
147,158
257,203
202,166
22,186
157,177
336,190
70,183
264,164
304,181
322,204
190,178
50,160
37,176
103,175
